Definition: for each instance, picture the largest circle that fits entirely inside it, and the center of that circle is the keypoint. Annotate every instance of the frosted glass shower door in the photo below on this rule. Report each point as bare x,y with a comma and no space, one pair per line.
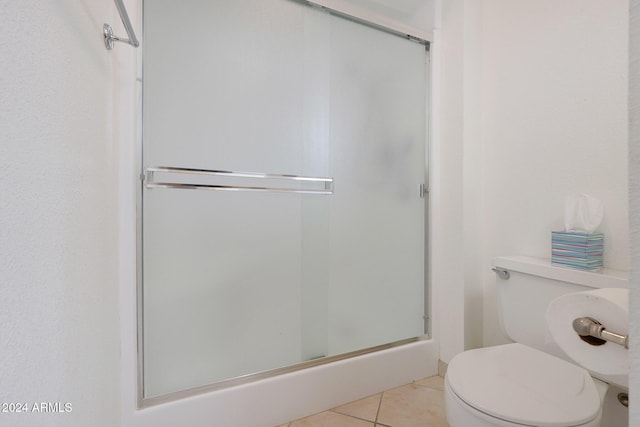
378,141
224,87
240,282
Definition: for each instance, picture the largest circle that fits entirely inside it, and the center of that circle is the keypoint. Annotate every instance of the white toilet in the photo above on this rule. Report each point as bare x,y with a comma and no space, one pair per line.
531,382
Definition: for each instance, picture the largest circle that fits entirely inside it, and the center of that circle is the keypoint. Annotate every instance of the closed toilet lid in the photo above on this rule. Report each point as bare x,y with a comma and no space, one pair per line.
520,384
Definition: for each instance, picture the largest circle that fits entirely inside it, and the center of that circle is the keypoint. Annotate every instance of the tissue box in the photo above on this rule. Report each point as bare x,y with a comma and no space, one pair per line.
577,249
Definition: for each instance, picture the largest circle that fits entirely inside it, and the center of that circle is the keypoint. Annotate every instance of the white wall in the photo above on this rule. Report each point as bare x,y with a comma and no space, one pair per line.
472,179
634,209
531,107
553,122
446,237
456,196
58,221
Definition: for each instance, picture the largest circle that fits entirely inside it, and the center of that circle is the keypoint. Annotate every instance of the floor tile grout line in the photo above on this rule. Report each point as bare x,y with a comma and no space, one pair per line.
428,386
351,416
379,406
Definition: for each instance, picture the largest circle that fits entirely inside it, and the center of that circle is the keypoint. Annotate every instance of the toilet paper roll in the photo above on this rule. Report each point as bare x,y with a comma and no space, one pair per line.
610,307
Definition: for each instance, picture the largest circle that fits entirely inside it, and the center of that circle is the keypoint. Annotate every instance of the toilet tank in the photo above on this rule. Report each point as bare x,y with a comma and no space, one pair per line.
532,284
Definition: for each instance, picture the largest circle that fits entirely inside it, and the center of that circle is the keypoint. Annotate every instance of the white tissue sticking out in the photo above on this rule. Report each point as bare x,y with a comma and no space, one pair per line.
582,213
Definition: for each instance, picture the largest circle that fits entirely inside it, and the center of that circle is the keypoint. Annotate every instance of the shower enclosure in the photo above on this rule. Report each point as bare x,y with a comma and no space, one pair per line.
283,190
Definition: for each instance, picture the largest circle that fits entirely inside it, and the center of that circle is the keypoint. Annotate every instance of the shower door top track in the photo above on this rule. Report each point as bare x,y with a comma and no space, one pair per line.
411,34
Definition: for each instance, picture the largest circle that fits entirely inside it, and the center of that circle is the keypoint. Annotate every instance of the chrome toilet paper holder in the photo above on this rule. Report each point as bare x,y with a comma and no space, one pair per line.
587,327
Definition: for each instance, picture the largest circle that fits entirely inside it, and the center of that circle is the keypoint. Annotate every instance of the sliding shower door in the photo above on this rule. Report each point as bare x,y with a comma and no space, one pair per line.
283,158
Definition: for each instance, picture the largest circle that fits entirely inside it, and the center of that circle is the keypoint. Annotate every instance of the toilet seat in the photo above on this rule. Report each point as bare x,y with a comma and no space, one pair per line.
521,385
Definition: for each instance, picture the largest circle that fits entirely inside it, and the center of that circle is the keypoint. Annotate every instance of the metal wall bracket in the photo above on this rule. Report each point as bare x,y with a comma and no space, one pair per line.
110,38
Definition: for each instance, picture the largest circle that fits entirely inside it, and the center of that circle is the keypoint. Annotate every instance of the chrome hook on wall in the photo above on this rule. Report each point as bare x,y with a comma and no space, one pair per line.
110,38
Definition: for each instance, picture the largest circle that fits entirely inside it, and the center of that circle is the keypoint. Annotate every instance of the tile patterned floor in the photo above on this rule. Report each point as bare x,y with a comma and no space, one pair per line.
420,403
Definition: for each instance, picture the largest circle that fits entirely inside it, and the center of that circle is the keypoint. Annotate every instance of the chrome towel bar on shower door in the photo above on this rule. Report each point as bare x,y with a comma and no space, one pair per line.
150,182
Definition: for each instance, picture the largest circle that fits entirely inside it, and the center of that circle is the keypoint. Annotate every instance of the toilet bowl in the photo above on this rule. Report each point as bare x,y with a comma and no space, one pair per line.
533,381
515,385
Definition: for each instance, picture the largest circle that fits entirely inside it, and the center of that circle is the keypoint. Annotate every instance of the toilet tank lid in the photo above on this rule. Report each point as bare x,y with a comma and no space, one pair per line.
523,385
606,278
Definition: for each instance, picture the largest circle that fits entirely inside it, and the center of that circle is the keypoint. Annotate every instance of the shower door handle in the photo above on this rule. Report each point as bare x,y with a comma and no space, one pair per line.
324,185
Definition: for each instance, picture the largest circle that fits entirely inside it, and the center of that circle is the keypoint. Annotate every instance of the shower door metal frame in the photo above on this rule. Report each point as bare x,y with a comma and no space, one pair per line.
145,402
